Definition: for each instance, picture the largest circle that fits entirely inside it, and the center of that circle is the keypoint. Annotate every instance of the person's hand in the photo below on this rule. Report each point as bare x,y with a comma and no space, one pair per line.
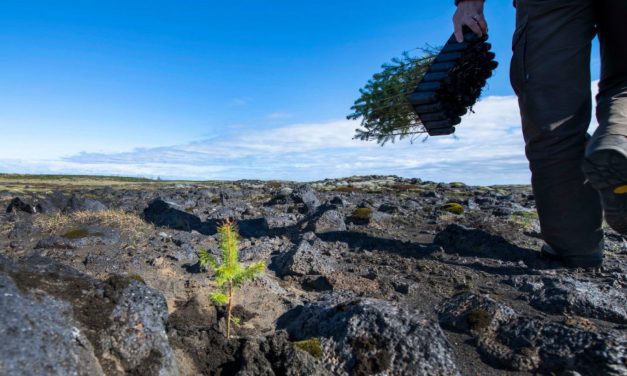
469,13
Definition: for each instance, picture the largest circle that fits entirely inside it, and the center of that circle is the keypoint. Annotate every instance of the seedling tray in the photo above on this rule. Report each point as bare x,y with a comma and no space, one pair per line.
453,83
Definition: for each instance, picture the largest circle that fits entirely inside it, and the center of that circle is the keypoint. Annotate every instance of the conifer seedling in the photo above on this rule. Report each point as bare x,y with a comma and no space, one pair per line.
229,274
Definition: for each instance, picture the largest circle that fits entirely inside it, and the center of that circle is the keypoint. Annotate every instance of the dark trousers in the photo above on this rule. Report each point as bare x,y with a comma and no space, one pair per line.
550,73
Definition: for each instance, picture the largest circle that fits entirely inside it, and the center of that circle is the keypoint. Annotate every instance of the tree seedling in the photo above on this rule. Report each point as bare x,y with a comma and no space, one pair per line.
229,274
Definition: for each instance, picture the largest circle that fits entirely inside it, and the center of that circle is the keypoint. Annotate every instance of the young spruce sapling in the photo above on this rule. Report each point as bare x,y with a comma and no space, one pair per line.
229,274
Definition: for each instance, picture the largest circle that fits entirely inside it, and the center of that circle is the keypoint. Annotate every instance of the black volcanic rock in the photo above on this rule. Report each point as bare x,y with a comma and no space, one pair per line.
371,336
567,295
522,343
63,322
304,259
305,195
77,203
18,205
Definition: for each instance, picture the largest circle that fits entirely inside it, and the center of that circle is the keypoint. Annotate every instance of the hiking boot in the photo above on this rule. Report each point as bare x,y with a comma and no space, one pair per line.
605,167
582,261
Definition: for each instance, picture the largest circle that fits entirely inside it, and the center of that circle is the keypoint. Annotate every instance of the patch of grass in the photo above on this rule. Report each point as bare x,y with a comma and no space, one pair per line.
362,214
404,187
274,184
453,207
76,233
311,345
128,223
460,194
457,184
137,277
524,218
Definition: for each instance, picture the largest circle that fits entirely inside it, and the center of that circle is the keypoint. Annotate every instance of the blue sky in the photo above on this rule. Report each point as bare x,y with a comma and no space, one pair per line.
245,89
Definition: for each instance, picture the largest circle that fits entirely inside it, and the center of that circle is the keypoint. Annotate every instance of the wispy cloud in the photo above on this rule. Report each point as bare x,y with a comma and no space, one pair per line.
279,116
487,149
239,102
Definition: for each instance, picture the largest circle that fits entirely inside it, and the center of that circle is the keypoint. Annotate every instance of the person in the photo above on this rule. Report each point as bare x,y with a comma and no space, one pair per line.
575,177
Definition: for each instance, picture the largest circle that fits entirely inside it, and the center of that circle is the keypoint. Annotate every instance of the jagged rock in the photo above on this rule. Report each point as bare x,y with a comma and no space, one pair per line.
169,214
337,201
53,242
40,337
304,259
316,283
389,208
185,253
567,295
18,205
136,336
115,327
328,221
253,228
371,336
473,313
77,203
517,342
306,195
51,204
275,355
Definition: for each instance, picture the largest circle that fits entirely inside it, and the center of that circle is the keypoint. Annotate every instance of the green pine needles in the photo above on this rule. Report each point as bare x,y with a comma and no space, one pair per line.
229,274
383,108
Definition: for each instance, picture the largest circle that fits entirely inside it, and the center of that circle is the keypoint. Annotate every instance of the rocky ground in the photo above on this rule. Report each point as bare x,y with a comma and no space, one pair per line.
366,276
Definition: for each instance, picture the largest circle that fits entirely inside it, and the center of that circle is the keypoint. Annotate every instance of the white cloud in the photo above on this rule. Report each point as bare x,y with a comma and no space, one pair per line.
486,149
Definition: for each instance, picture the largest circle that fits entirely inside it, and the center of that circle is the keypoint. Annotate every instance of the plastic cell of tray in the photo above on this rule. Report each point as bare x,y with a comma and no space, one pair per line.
439,76
429,86
422,98
442,132
433,116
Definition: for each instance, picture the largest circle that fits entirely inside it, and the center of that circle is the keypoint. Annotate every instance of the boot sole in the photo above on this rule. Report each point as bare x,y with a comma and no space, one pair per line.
606,170
588,261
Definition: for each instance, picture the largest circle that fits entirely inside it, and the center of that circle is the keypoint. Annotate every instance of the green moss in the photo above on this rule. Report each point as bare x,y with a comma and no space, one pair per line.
457,185
404,187
453,207
479,319
525,218
526,215
345,189
311,345
362,213
76,233
137,277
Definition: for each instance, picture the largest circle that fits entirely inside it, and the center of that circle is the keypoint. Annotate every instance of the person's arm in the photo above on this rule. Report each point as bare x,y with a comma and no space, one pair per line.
469,13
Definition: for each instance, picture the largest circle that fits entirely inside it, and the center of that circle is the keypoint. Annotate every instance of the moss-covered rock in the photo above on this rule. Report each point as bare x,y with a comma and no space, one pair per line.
311,345
453,207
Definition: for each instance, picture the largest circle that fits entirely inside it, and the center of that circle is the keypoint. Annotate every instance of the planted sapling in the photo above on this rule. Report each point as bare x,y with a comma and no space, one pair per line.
229,274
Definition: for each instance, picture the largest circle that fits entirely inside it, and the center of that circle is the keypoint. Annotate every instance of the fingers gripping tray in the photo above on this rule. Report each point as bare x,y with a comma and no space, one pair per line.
453,83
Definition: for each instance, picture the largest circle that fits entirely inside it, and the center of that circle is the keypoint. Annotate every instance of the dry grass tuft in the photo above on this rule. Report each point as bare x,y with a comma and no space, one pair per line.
129,223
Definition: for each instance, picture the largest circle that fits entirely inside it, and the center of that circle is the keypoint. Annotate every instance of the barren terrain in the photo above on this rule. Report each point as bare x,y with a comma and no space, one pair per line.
366,275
